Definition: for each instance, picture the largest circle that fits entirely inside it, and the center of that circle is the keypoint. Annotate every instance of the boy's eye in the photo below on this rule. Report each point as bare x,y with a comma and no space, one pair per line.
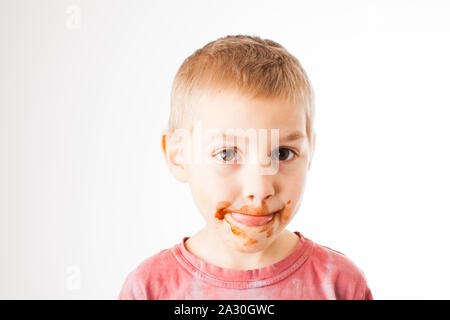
231,155
284,154
227,155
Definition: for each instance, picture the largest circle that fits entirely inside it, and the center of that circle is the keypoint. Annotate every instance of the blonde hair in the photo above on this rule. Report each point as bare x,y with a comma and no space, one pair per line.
259,68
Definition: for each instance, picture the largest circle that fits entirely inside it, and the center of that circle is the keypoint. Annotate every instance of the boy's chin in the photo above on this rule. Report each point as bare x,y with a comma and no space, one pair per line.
247,239
251,242
243,247
251,238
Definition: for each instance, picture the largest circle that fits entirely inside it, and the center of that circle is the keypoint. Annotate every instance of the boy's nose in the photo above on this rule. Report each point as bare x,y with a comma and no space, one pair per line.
257,187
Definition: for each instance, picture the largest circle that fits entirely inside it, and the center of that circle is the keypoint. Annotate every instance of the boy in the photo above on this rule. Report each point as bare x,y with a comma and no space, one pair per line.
227,99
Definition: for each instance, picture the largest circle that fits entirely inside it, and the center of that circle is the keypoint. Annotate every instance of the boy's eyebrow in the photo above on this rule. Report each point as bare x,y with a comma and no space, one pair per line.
294,135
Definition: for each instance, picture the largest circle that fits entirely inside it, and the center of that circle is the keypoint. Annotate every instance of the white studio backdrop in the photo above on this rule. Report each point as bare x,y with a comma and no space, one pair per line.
85,194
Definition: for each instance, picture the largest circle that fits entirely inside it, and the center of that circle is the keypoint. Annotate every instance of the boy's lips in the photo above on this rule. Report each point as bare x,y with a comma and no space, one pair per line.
253,220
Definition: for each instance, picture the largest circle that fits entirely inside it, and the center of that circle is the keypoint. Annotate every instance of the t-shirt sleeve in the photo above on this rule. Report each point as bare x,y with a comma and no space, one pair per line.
133,288
364,291
352,285
350,280
367,295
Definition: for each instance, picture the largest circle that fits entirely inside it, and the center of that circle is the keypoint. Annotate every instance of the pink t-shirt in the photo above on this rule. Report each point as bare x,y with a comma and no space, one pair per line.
310,271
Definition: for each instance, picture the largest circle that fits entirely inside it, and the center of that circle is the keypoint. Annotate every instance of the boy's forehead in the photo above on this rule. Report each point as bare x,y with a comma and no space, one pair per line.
284,135
223,110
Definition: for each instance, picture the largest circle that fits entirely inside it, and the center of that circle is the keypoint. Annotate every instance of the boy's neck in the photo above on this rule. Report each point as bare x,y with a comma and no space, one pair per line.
210,249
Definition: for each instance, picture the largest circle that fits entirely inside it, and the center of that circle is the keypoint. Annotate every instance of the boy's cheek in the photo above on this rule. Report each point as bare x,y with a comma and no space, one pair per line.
207,196
287,214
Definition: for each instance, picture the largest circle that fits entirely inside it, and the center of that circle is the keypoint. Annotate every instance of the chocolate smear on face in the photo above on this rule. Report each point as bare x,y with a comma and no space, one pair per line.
221,209
250,242
237,231
286,213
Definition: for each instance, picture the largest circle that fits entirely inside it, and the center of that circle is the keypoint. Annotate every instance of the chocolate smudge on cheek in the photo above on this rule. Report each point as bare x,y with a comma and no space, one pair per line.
286,213
221,209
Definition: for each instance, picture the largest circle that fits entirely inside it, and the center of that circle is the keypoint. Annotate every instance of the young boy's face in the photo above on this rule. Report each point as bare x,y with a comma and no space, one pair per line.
245,201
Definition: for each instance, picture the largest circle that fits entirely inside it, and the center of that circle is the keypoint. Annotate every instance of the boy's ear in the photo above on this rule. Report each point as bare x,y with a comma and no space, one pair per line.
313,148
173,154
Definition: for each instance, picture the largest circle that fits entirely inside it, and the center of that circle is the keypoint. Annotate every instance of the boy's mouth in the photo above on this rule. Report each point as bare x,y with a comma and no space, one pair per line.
253,220
247,215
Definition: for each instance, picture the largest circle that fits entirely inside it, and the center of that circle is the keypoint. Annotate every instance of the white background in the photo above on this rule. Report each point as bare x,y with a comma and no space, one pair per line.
84,191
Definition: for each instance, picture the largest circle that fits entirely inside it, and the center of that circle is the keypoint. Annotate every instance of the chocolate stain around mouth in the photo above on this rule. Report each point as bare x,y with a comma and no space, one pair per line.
222,209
